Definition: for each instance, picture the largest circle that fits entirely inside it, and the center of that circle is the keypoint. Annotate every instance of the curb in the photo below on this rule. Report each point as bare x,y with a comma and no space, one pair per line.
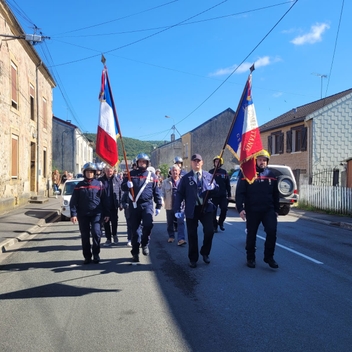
344,225
50,218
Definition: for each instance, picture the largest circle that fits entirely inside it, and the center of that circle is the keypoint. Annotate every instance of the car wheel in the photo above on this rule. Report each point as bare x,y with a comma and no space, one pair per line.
63,217
284,210
285,185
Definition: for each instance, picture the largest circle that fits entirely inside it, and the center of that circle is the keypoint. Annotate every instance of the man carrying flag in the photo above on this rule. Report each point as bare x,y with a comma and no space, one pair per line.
244,138
258,202
257,194
106,145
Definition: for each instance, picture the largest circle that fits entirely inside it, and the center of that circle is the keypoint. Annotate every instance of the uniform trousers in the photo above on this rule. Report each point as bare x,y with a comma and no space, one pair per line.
110,227
206,220
269,220
90,224
143,213
222,203
171,229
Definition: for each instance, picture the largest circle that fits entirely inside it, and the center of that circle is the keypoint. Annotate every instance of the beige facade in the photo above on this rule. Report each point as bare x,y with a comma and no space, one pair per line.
25,117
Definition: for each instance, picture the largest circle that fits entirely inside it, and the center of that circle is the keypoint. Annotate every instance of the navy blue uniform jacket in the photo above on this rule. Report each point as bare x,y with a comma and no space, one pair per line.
150,192
113,193
261,195
187,190
89,198
222,179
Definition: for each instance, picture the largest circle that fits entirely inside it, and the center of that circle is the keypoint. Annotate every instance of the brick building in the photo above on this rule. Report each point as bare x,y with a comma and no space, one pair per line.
313,139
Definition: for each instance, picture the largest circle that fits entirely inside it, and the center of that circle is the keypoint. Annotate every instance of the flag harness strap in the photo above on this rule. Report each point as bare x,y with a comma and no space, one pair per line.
148,179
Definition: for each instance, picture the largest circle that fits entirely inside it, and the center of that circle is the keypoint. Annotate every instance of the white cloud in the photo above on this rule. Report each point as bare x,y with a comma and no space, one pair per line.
262,61
314,36
278,94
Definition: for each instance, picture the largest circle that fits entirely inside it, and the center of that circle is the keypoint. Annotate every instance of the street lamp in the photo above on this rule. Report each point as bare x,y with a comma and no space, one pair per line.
173,127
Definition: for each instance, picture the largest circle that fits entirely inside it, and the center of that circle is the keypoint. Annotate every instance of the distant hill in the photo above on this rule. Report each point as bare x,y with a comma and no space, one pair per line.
132,146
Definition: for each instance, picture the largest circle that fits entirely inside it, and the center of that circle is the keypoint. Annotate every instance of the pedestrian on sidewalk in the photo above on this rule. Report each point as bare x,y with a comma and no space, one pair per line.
257,203
56,179
196,189
89,205
112,186
168,192
141,210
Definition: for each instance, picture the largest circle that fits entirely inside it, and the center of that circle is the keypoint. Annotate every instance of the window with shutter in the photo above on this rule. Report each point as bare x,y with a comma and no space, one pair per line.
14,155
304,139
14,88
32,102
270,147
288,141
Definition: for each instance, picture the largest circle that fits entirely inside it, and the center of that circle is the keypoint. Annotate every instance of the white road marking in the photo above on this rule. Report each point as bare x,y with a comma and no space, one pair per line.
295,252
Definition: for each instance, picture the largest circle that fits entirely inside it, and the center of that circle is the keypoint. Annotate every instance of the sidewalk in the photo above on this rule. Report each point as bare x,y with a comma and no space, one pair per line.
19,223
344,222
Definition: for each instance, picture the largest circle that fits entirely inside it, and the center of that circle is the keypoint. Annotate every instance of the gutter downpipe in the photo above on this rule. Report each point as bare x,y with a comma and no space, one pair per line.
38,124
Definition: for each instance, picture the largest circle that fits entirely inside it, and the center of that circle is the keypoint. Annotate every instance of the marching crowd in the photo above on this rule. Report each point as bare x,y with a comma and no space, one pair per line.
189,198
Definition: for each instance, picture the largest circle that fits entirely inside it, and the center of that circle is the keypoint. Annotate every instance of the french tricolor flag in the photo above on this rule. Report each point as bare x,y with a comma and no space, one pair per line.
244,138
106,145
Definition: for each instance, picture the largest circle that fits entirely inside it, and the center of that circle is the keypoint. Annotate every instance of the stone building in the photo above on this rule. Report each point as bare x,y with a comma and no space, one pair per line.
207,139
25,116
71,149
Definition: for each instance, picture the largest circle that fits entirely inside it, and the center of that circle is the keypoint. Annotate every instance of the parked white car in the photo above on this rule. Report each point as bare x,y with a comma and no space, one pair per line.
66,197
286,183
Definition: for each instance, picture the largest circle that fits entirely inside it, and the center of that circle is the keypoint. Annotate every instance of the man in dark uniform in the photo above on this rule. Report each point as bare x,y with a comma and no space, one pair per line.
196,188
88,205
259,203
112,185
222,179
146,189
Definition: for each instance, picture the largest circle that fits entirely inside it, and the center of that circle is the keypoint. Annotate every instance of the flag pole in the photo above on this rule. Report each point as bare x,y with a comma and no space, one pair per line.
252,68
237,112
103,60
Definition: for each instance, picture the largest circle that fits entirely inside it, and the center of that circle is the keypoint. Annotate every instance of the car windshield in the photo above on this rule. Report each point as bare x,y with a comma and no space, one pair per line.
278,171
235,174
69,187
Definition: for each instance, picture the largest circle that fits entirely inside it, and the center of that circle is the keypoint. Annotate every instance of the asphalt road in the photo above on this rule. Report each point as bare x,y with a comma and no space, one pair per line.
49,301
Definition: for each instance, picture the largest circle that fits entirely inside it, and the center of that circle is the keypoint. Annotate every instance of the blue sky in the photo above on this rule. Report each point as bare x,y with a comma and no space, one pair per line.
178,58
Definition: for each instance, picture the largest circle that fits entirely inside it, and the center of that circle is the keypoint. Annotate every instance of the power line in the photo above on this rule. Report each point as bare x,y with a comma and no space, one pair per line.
335,46
250,53
144,38
182,24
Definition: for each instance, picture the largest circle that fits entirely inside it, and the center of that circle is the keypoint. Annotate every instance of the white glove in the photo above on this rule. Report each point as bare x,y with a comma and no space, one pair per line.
209,186
157,212
178,215
129,184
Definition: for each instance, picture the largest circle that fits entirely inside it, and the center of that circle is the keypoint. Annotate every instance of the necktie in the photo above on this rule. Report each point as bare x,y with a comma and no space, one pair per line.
199,188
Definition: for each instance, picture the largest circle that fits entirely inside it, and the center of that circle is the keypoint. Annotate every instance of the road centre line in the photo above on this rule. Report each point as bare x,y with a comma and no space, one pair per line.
295,252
